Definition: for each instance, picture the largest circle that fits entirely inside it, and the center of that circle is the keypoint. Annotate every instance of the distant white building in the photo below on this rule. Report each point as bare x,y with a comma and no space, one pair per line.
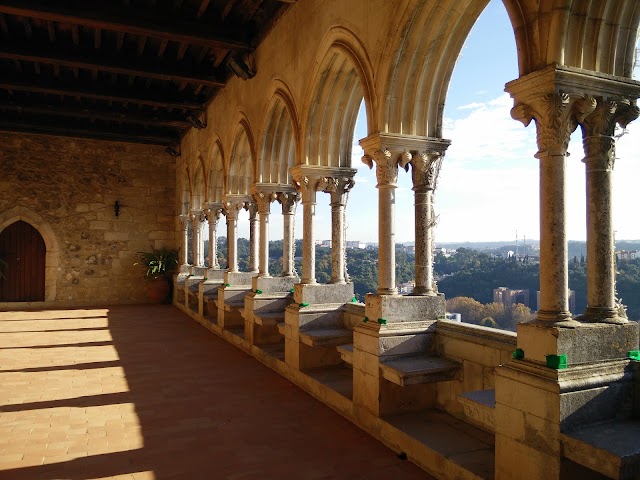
356,244
627,254
407,287
509,297
454,317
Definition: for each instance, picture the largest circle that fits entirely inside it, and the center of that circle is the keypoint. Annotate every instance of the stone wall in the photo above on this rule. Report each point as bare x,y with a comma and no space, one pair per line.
67,188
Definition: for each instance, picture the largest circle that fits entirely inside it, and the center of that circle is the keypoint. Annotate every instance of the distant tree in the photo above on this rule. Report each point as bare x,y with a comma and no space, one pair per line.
471,310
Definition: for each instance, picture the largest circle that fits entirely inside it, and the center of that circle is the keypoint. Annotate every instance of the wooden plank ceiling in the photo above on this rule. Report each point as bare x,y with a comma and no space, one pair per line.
130,70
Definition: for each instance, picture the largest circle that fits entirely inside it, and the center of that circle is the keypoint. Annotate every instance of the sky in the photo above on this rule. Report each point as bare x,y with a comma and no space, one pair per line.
488,186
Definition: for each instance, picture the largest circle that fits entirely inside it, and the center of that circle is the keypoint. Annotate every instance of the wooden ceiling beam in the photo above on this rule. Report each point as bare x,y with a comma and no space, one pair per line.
109,95
127,20
104,64
151,120
58,130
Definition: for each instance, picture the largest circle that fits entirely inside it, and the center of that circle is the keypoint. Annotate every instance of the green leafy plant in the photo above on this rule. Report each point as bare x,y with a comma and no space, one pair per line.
157,263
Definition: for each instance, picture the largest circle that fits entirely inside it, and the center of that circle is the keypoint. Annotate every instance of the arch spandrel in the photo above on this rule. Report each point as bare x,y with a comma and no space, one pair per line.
342,78
199,184
215,173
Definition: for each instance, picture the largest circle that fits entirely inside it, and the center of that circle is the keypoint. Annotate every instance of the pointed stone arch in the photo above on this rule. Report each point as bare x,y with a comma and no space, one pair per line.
240,170
342,79
599,36
215,173
280,137
420,67
52,257
198,190
185,188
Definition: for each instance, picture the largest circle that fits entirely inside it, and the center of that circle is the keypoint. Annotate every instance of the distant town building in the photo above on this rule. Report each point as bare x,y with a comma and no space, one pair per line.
323,243
627,254
454,317
572,300
407,287
509,297
356,244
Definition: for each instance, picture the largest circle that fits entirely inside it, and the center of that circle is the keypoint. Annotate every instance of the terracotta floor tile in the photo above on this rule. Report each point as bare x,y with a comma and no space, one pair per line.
143,393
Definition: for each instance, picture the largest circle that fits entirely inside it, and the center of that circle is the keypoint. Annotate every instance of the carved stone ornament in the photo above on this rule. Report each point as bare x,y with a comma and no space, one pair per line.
386,165
213,214
557,115
196,216
252,208
288,200
426,169
263,200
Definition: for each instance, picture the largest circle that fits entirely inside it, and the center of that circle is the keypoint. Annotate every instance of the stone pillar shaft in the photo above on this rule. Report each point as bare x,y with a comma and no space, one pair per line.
232,240
308,238
263,202
253,237
196,228
184,256
425,169
213,215
554,270
337,242
288,201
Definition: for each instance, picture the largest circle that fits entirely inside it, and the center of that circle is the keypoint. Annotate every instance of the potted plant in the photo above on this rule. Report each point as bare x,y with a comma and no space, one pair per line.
159,264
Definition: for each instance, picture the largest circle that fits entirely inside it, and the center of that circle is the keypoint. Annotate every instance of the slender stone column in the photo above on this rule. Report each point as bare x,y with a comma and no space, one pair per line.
254,237
599,146
196,226
231,211
289,201
263,201
213,215
307,187
338,188
557,116
387,176
201,241
184,256
425,171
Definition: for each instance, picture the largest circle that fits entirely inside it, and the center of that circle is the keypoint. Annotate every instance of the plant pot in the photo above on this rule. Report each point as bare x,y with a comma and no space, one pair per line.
158,289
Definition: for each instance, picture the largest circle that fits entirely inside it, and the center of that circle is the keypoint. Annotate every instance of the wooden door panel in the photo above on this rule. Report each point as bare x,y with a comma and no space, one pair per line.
23,248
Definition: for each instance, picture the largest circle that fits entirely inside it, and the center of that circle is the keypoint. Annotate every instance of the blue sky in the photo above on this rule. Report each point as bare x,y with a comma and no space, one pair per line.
488,187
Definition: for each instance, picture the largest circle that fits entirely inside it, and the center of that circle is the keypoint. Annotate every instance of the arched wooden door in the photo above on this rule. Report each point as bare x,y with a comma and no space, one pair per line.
23,249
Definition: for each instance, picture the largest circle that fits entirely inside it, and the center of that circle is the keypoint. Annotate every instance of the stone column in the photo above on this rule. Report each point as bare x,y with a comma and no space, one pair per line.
425,169
253,236
387,176
184,219
289,201
213,215
338,189
307,186
263,201
231,210
196,225
599,146
557,116
201,241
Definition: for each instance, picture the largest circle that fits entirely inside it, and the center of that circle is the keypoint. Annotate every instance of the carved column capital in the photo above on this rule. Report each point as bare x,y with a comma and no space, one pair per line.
557,115
196,216
231,209
288,200
307,185
387,163
337,187
263,201
598,129
425,170
213,214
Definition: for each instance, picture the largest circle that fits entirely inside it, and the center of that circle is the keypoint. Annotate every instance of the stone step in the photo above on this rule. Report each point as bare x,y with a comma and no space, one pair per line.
346,353
611,449
268,319
480,407
326,337
416,369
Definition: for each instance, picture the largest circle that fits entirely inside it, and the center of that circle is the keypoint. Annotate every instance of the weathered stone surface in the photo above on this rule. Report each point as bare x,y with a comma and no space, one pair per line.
323,294
66,188
405,308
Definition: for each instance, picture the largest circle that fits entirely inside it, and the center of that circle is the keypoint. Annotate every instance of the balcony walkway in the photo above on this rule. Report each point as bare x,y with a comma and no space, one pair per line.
143,392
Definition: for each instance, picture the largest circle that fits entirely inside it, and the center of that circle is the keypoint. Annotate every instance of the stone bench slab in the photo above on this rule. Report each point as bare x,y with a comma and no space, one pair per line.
612,449
417,369
480,406
268,319
346,353
327,337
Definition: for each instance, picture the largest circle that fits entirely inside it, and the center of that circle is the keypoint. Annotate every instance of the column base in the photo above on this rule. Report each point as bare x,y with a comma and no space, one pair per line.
319,293
584,343
404,308
602,315
387,291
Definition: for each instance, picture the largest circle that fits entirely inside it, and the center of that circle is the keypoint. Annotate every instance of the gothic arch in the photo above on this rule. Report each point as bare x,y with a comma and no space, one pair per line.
599,36
280,138
52,258
215,173
240,168
424,56
343,77
198,190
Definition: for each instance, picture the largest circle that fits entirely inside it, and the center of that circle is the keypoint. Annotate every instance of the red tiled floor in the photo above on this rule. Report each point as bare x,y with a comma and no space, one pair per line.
143,392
